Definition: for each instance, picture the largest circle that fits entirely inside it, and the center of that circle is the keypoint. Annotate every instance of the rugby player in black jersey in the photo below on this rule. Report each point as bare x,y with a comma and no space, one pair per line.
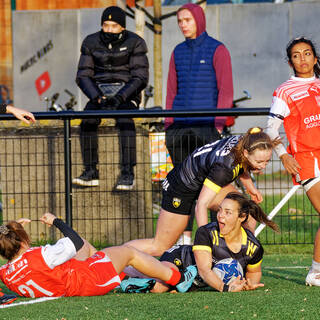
226,238
206,175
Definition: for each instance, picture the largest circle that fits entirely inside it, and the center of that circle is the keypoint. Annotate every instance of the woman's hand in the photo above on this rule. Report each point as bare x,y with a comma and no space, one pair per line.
23,221
21,114
252,286
237,285
255,195
48,218
248,184
290,164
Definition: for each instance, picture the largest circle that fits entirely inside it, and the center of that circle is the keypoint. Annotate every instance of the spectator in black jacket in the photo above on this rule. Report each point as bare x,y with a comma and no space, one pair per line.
112,71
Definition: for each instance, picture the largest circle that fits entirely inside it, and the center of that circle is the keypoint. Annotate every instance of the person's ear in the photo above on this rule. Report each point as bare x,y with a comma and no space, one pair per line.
243,219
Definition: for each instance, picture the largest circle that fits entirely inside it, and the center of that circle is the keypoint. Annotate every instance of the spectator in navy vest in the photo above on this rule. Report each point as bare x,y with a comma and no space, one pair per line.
113,70
200,77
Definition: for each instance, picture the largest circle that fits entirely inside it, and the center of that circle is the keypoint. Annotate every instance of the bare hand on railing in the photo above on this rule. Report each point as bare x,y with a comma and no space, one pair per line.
290,164
48,218
21,114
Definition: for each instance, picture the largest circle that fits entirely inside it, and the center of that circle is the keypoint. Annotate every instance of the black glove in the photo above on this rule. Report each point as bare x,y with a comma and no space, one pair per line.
114,102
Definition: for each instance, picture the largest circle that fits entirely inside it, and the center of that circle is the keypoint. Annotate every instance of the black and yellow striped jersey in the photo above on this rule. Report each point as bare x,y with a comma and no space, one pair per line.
208,238
212,165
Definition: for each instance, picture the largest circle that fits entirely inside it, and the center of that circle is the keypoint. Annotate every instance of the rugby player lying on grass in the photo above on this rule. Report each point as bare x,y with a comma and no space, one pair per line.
72,267
214,242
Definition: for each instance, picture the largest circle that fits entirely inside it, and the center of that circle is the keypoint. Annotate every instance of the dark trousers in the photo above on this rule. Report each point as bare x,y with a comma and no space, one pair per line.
127,139
182,139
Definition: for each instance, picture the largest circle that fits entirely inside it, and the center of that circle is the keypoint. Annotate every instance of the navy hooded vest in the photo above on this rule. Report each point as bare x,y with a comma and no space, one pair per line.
197,84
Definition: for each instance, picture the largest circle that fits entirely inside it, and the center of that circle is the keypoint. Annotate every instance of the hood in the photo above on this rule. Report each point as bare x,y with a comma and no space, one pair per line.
198,15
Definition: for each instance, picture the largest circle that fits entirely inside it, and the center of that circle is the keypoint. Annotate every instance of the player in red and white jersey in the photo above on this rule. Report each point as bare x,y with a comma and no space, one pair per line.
72,267
296,104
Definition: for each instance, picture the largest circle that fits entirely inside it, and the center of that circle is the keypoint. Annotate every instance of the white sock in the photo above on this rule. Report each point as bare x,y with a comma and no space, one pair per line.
315,266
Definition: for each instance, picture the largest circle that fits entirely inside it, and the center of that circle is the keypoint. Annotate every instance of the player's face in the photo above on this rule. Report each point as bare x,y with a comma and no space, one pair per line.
258,159
228,217
112,27
303,60
187,24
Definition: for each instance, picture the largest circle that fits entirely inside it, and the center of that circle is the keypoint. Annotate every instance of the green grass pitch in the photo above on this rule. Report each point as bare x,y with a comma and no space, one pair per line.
284,296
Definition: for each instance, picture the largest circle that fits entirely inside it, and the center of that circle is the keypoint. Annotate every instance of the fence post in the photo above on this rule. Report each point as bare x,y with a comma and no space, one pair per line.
67,171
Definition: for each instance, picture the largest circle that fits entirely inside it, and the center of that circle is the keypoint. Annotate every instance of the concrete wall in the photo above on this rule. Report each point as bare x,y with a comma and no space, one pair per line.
255,34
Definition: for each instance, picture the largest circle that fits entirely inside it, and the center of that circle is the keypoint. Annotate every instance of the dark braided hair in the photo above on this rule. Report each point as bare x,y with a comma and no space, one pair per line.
302,39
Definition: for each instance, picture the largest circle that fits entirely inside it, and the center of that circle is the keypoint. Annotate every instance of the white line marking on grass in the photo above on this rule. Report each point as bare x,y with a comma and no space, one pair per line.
288,267
28,302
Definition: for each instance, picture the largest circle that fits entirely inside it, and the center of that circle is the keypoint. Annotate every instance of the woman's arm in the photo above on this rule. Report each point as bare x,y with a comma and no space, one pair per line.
253,277
20,114
247,182
50,219
204,265
205,199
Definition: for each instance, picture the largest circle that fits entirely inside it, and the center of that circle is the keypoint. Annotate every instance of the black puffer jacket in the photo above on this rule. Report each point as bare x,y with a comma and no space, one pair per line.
122,61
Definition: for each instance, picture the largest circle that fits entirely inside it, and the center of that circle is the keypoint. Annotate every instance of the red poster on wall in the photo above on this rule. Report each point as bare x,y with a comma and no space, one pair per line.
43,83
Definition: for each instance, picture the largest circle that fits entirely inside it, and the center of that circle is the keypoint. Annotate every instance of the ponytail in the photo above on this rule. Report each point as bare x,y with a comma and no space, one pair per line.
254,139
12,235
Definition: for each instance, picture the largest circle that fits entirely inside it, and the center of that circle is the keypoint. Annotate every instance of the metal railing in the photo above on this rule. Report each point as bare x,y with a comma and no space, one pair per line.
38,163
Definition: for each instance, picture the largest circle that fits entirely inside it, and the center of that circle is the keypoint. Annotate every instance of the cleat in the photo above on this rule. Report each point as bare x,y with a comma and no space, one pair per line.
137,285
6,298
187,278
313,278
88,178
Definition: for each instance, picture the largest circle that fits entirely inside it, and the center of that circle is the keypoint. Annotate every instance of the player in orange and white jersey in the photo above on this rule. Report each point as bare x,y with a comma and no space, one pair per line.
296,105
72,267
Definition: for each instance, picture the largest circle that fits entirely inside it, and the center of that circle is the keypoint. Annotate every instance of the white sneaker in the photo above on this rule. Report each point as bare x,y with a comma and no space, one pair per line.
313,278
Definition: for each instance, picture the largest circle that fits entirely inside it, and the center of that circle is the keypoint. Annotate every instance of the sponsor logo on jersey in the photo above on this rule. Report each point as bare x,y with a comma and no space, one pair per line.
176,202
310,119
300,95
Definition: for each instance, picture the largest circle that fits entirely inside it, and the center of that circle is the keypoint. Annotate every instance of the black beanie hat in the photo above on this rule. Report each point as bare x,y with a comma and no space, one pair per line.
114,14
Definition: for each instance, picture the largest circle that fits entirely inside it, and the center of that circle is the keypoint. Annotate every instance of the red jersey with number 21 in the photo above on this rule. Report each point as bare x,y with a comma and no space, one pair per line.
50,271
